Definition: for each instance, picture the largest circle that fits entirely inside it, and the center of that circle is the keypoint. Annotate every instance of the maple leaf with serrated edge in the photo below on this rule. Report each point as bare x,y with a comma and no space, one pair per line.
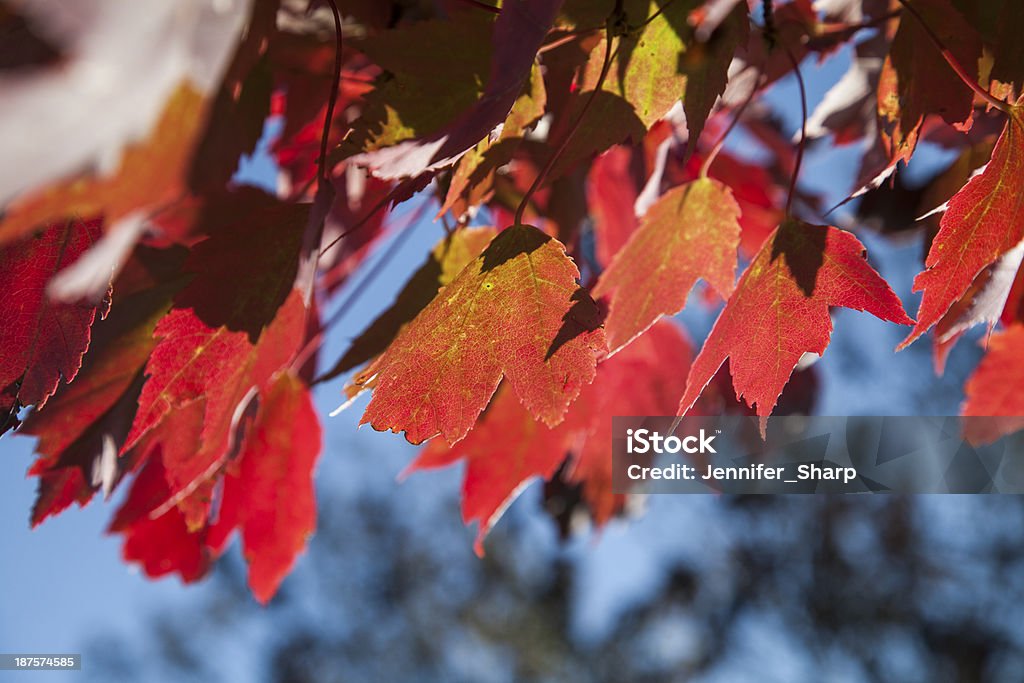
994,405
509,447
193,361
516,311
445,261
983,221
780,311
692,231
43,341
92,414
268,491
916,81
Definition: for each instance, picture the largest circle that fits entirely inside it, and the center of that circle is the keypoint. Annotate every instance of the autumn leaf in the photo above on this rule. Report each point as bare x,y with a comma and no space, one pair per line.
994,406
691,232
611,199
916,81
983,303
162,543
123,64
517,35
42,340
445,261
706,65
780,311
245,292
983,221
509,447
229,332
84,424
472,181
515,311
268,491
240,105
150,173
655,65
633,382
193,361
847,111
505,450
270,438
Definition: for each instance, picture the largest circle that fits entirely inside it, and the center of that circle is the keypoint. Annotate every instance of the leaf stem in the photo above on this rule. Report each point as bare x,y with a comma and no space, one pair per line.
332,100
605,68
803,131
362,221
404,233
309,261
969,81
713,154
656,14
768,12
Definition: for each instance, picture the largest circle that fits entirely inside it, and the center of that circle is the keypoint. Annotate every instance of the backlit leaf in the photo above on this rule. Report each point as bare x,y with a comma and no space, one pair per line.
780,311
509,447
983,221
42,341
516,311
268,492
995,405
691,232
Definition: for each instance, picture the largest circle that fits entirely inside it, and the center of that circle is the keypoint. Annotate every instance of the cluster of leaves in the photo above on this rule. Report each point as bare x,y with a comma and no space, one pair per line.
164,321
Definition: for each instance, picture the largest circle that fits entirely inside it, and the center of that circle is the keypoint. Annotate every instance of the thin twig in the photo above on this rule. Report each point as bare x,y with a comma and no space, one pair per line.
362,221
955,65
404,232
332,101
803,131
312,237
605,68
656,14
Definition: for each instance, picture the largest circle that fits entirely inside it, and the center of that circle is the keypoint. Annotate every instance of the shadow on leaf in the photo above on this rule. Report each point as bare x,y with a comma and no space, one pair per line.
803,248
583,316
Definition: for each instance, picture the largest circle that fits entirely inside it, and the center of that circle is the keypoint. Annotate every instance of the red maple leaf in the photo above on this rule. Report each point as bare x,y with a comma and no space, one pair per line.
780,311
516,311
691,232
42,340
984,220
268,491
994,405
509,446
